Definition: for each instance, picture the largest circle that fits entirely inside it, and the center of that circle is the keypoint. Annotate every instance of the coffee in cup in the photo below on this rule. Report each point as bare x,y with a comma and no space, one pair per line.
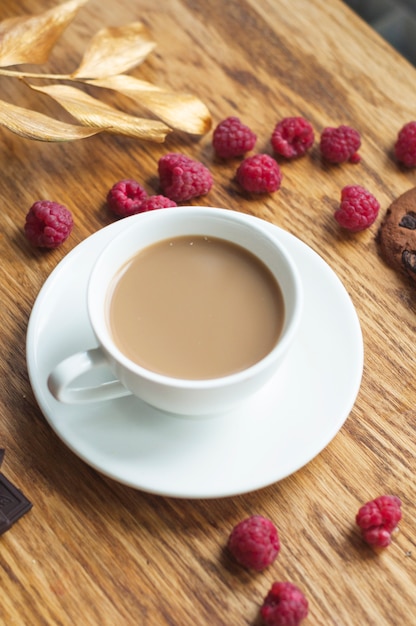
195,307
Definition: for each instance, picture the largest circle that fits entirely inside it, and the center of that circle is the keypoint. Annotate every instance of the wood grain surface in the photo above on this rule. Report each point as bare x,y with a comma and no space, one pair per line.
95,552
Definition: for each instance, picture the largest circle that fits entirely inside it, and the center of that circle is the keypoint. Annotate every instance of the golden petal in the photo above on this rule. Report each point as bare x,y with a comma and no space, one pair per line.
30,38
115,50
92,112
179,110
34,125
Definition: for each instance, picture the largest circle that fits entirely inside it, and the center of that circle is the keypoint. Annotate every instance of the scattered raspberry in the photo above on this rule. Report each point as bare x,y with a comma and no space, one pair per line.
254,542
259,174
183,178
292,137
340,144
405,146
358,208
48,224
378,519
125,197
156,202
231,138
284,605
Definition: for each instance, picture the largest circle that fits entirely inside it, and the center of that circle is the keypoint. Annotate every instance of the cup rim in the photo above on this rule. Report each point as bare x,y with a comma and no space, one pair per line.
103,336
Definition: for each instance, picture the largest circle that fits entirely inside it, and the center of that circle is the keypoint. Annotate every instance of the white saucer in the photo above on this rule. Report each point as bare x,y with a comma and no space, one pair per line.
274,434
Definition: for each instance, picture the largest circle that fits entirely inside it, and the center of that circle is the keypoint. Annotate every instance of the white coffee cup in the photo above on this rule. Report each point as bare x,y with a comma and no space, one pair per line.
167,393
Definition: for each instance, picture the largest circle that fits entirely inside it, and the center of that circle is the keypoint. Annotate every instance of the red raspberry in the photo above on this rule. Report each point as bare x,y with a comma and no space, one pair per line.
259,174
182,178
292,137
405,146
156,202
378,519
358,208
125,197
254,542
284,605
231,138
340,144
48,224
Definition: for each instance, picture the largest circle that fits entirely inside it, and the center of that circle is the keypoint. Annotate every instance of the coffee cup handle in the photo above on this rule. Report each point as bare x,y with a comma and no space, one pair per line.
66,372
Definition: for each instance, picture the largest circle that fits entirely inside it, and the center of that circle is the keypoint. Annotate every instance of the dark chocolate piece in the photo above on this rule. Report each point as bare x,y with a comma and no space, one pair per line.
13,504
409,221
409,260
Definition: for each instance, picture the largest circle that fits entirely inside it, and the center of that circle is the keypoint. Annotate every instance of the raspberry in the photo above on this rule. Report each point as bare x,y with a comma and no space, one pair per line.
378,519
292,137
231,138
48,224
156,202
183,178
358,208
284,605
340,144
125,197
405,146
259,174
254,542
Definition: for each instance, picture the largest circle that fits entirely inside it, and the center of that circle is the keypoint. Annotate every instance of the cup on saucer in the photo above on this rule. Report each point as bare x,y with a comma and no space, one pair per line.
193,308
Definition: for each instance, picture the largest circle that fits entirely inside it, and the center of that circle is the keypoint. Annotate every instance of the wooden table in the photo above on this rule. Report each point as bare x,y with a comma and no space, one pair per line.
93,551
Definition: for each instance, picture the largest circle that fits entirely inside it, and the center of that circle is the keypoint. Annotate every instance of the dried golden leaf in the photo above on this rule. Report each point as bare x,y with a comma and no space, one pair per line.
115,50
92,112
179,110
34,125
30,39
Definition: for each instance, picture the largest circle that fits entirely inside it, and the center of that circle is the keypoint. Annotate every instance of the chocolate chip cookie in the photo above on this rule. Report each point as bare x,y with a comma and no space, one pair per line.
397,234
